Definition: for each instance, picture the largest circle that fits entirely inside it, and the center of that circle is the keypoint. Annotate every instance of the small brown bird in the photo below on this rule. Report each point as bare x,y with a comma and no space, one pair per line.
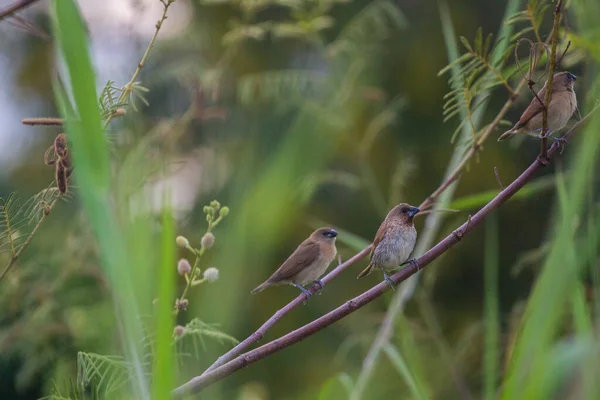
306,264
394,241
563,104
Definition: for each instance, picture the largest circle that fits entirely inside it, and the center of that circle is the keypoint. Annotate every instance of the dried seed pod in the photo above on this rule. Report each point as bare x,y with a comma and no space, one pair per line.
61,178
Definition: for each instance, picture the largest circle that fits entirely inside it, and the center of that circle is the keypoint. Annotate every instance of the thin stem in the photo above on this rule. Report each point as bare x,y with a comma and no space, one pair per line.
16,255
196,384
461,166
557,12
191,275
128,88
15,7
533,25
42,121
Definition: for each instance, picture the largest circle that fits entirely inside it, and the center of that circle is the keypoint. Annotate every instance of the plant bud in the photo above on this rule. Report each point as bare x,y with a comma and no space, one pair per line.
182,241
178,331
181,304
224,211
211,274
183,267
208,240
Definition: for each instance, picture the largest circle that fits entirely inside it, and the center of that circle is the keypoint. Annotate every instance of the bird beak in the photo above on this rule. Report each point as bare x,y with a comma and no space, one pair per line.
572,77
413,211
332,233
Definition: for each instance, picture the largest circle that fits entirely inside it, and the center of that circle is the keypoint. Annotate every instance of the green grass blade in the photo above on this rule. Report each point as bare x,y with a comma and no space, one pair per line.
398,362
163,377
492,323
90,156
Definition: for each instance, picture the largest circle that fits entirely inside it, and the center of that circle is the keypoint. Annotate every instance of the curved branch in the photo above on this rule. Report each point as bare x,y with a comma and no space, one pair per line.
15,7
197,384
428,202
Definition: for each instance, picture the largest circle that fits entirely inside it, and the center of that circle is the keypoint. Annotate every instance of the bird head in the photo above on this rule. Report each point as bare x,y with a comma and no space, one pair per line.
563,81
405,212
327,234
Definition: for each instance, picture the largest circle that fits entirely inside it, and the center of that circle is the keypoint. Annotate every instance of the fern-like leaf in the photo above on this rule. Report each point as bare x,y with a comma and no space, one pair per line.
476,75
197,331
377,21
105,373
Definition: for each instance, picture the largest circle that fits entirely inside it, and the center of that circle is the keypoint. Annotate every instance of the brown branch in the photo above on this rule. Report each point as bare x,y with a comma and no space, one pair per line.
548,96
43,121
428,202
260,332
15,7
198,383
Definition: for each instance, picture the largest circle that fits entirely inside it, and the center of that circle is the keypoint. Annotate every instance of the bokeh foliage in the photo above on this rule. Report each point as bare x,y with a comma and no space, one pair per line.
302,113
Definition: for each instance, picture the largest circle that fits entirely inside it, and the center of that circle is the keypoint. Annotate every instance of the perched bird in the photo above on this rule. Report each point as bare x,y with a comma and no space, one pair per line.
394,241
306,264
563,104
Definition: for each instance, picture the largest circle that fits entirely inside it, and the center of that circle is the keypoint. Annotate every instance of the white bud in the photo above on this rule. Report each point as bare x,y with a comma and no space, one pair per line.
211,274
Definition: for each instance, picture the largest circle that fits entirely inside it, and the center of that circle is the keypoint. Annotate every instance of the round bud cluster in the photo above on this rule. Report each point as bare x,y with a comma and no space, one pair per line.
224,211
183,267
211,274
181,304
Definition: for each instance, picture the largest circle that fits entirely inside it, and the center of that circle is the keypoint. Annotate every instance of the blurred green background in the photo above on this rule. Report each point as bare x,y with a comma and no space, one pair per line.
299,114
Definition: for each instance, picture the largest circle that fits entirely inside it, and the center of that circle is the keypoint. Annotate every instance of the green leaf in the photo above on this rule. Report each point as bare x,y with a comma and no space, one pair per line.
465,43
478,41
163,379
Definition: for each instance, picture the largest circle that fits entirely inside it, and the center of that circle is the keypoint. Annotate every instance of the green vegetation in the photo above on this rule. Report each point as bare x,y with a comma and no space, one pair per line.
300,114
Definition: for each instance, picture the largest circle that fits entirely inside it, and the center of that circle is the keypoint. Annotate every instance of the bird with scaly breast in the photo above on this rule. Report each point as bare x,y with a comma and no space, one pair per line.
394,241
563,103
306,264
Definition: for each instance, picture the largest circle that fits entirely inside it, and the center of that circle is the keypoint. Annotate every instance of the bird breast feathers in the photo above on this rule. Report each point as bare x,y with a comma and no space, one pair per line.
395,246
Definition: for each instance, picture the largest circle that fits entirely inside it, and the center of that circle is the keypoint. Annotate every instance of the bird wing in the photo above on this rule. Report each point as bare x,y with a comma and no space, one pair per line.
378,237
302,257
533,109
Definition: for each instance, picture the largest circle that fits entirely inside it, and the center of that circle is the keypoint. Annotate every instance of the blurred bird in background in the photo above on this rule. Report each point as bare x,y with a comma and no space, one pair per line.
306,264
394,241
563,104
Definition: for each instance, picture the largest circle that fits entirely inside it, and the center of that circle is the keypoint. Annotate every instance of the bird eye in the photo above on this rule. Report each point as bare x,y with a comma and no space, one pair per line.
404,210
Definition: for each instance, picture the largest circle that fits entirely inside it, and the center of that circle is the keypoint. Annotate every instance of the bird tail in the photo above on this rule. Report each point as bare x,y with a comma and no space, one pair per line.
507,134
365,272
261,287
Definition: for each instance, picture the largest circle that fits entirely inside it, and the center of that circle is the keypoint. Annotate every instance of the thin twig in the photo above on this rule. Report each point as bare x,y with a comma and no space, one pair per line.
498,178
16,255
43,121
547,98
198,383
15,7
129,87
